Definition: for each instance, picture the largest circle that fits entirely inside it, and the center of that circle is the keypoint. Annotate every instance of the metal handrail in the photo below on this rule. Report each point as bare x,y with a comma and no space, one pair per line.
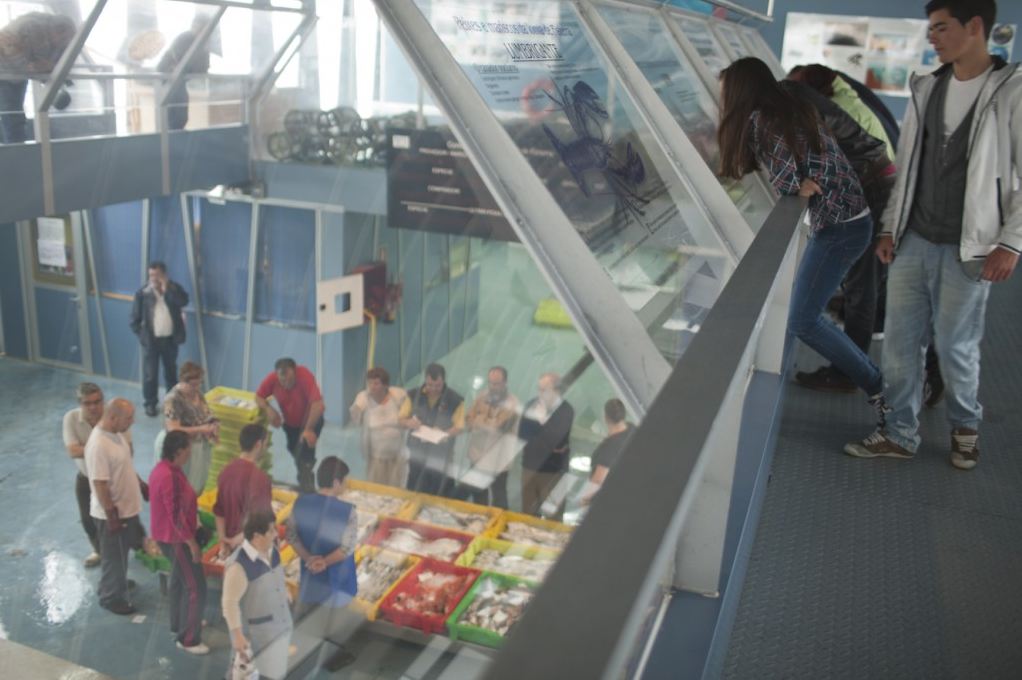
609,571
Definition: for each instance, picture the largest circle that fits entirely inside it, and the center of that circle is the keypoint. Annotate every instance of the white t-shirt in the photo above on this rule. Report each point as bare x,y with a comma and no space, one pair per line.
163,325
108,458
961,95
382,435
76,431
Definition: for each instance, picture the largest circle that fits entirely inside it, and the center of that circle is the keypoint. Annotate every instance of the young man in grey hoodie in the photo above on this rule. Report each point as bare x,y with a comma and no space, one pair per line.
953,227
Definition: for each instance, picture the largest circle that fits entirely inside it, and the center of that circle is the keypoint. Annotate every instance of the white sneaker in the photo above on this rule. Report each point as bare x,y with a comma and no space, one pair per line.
92,560
197,650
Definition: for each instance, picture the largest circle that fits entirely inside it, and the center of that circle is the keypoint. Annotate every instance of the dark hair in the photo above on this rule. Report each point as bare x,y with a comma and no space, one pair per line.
501,370
251,434
749,85
85,389
330,469
614,410
436,371
378,373
173,443
284,362
189,371
966,10
159,265
817,76
258,522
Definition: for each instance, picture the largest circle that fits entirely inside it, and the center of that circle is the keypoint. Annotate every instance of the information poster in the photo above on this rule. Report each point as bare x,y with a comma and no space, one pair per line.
882,53
51,243
433,186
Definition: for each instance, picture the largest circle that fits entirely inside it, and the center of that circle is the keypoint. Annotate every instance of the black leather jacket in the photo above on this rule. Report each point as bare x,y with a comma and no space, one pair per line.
142,312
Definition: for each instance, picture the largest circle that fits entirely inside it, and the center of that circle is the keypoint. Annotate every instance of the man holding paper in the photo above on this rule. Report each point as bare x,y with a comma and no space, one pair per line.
434,414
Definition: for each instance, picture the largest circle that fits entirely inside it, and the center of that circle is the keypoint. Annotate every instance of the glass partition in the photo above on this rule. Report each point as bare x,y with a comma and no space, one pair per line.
704,41
537,70
655,52
732,39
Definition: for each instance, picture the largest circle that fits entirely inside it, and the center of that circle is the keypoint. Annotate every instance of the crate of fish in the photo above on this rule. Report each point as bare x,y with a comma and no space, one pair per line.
530,562
378,571
452,514
228,403
518,528
379,499
489,610
427,595
423,540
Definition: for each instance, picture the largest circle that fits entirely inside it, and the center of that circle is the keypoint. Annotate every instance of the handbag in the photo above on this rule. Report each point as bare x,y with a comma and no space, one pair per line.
242,666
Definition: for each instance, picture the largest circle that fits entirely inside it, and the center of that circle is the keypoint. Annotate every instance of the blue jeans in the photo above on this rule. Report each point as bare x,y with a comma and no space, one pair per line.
931,293
828,257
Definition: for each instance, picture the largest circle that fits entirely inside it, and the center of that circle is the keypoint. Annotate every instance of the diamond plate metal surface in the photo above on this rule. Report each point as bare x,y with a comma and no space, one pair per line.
885,568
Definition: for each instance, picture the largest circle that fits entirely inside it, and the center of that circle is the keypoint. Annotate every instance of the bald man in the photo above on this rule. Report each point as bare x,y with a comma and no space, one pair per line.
117,493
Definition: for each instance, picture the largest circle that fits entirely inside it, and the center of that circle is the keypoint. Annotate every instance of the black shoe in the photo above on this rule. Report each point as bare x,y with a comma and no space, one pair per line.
339,660
131,584
933,387
825,379
120,608
150,410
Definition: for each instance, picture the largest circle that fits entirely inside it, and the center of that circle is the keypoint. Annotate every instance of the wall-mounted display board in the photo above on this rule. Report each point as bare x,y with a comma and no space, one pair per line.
433,186
880,52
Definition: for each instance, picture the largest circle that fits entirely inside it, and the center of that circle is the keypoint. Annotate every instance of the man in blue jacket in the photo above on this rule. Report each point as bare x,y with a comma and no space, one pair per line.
953,227
158,321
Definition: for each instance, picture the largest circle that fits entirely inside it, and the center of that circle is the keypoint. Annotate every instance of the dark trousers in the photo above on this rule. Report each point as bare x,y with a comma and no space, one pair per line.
187,594
83,493
177,108
425,478
12,111
114,547
495,495
303,454
159,350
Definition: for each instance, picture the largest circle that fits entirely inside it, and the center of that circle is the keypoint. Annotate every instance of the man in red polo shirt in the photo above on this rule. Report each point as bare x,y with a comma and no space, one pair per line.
297,395
241,489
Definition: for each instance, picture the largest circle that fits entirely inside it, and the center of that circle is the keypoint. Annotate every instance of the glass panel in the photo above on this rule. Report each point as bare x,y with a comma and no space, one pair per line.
698,33
733,40
534,65
651,45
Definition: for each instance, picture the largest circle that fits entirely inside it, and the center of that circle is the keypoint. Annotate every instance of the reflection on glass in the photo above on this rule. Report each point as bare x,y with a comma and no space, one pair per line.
734,41
535,66
698,33
650,44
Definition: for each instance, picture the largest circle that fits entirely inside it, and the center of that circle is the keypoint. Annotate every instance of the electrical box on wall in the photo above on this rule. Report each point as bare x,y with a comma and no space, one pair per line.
374,286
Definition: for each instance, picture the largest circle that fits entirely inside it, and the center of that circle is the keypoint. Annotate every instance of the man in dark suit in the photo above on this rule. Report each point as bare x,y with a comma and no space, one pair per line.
158,321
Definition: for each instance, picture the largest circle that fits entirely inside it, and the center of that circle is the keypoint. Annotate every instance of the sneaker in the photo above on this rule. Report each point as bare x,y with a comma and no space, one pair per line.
825,379
933,387
964,448
198,650
120,608
92,560
877,445
879,405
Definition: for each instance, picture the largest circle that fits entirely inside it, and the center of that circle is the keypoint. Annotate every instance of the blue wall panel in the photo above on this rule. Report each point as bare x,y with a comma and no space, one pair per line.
459,300
362,190
189,351
222,241
410,311
472,306
117,247
270,343
105,170
11,304
167,239
201,159
121,342
225,350
335,344
21,191
286,278
59,336
98,364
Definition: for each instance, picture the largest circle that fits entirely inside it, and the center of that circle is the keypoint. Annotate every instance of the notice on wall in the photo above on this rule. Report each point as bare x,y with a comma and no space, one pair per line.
433,186
51,244
880,52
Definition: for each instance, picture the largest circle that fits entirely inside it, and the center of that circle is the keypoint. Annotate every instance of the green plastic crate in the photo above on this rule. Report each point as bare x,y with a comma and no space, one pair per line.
161,563
474,634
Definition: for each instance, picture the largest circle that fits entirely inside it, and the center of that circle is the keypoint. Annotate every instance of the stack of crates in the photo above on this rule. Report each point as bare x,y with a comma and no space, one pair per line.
234,409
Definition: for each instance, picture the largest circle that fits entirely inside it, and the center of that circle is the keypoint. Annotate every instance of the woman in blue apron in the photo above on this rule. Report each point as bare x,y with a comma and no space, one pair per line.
323,530
255,600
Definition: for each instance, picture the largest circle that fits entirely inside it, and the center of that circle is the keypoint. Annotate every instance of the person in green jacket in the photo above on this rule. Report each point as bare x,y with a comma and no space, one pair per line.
826,81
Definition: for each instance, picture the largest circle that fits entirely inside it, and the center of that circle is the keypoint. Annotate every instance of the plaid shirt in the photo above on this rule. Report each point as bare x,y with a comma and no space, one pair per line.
842,197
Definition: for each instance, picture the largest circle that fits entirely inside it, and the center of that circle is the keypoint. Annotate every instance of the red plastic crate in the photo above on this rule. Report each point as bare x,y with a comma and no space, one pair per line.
427,531
209,567
409,585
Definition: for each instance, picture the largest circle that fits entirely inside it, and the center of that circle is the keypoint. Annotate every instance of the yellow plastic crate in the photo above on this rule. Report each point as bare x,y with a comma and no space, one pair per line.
409,497
459,506
207,500
371,609
233,413
549,312
508,516
287,497
526,550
